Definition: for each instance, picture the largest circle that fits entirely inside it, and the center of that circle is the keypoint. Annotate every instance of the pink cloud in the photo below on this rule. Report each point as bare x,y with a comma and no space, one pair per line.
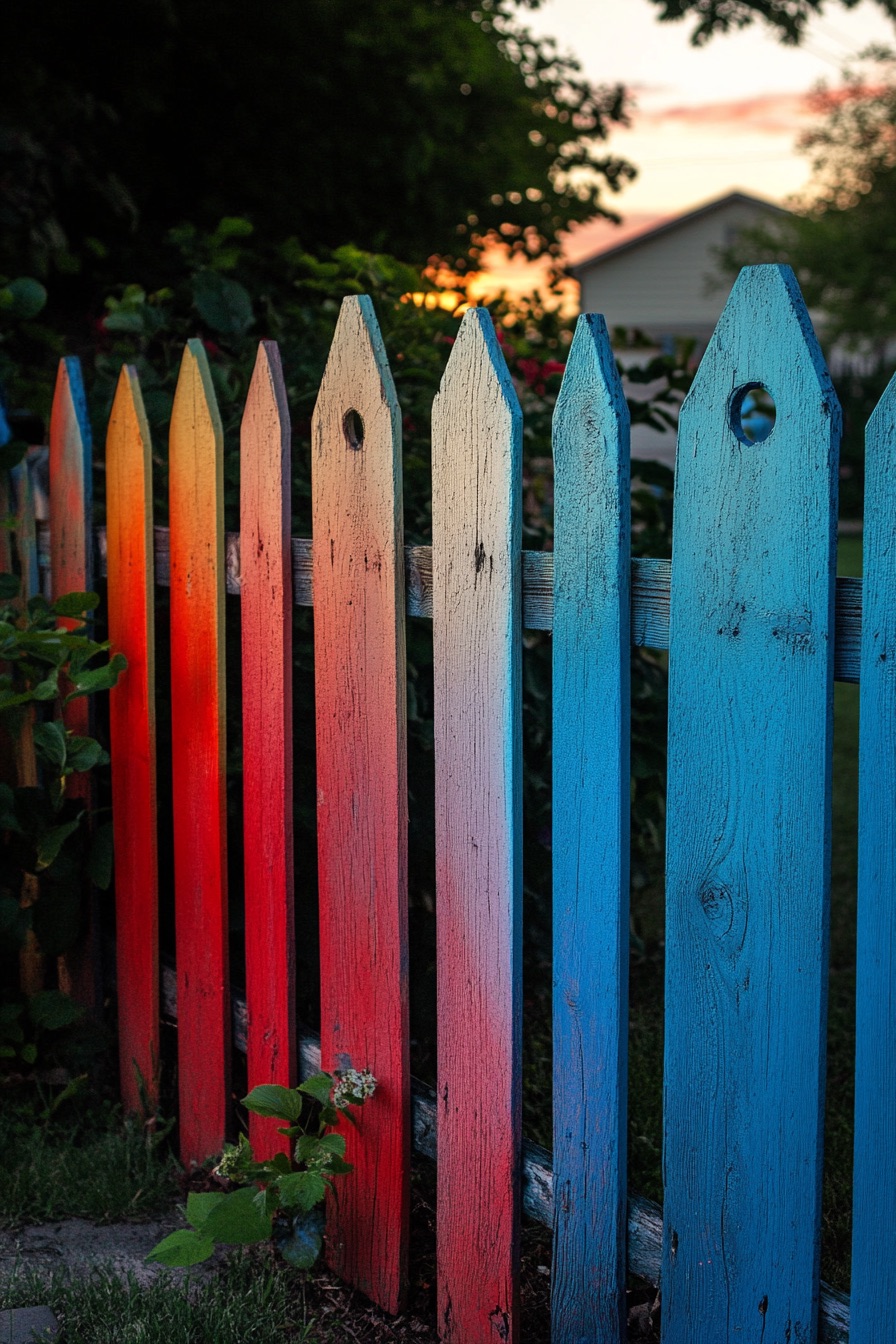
771,113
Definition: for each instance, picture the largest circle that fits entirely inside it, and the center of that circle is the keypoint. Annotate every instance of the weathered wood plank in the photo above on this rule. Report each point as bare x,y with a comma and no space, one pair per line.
196,512
748,829
649,593
477,628
132,731
25,529
874,1164
360,675
590,840
265,562
71,571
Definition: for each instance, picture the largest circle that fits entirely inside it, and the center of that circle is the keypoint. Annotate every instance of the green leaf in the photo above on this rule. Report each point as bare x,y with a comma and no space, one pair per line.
10,586
224,304
98,678
299,1242
51,743
319,1086
76,604
51,1010
182,1248
271,1099
47,689
237,1221
51,842
84,753
333,1143
301,1189
29,1052
27,298
199,1206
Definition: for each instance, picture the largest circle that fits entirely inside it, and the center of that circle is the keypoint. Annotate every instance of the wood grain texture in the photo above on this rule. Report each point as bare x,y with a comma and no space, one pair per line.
476,465
649,589
748,830
359,658
196,513
266,625
874,1165
590,839
71,571
132,732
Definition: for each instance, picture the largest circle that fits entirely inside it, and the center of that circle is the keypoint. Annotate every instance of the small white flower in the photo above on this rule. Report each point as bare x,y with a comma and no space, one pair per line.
354,1086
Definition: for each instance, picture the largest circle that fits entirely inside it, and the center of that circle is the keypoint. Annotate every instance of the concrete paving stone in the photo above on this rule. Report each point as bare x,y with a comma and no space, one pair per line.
26,1325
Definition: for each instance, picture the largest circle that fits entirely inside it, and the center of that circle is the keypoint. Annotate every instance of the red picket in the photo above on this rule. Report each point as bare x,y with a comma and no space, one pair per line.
359,656
132,731
266,620
196,515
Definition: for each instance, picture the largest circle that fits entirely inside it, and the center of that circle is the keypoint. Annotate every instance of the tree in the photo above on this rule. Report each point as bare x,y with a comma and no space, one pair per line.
413,127
788,18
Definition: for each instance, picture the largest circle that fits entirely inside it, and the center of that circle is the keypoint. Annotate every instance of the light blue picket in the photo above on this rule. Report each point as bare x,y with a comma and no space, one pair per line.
874,1167
748,831
590,840
26,529
477,640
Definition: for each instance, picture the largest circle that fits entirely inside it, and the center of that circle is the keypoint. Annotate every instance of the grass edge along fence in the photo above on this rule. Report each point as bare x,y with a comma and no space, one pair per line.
757,628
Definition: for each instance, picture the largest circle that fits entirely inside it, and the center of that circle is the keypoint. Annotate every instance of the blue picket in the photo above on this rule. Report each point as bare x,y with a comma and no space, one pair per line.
748,830
590,840
874,1167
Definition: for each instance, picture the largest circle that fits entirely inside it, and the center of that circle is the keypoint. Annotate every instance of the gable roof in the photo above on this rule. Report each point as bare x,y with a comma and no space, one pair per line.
676,222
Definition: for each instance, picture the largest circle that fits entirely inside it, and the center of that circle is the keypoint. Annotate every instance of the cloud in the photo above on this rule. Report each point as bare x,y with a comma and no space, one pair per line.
768,114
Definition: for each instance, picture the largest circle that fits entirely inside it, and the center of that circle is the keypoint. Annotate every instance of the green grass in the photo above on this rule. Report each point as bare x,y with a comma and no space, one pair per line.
247,1303
85,1162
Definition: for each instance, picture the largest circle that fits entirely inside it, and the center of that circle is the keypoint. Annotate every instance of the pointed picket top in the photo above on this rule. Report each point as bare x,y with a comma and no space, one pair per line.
357,372
874,1157
195,404
128,439
764,335
266,398
590,395
71,482
477,356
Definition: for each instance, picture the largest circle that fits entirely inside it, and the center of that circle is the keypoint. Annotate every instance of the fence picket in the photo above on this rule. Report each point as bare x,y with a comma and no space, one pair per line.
476,463
266,623
71,571
750,714
590,840
359,656
26,529
132,731
874,1165
196,513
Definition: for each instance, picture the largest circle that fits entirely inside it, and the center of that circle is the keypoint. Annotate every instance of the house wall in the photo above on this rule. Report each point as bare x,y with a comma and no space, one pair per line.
663,286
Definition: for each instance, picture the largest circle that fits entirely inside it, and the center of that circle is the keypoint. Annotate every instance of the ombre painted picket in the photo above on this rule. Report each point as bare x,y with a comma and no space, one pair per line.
590,840
266,624
359,661
874,1162
748,830
477,628
71,571
132,734
196,515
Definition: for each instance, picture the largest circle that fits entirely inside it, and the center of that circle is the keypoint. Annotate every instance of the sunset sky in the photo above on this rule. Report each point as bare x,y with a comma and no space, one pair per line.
708,120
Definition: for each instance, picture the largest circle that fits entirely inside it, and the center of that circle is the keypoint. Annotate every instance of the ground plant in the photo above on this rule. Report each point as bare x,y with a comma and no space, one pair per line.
279,1199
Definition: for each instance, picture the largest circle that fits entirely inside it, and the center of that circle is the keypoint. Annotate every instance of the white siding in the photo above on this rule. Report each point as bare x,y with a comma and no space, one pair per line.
664,285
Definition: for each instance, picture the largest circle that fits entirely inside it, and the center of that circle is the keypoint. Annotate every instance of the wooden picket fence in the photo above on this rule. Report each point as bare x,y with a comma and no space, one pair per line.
757,629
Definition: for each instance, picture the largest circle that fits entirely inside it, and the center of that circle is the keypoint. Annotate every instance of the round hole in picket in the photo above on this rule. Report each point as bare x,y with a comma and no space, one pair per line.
353,428
752,413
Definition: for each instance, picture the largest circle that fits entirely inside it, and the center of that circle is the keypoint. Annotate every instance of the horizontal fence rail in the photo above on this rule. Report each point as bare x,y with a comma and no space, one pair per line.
650,584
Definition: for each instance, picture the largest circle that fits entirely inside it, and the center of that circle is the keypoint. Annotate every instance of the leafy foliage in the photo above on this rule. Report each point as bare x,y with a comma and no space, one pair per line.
287,1206
787,18
417,128
43,831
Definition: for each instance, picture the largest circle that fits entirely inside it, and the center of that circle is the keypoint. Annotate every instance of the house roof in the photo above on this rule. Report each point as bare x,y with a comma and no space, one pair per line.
675,222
